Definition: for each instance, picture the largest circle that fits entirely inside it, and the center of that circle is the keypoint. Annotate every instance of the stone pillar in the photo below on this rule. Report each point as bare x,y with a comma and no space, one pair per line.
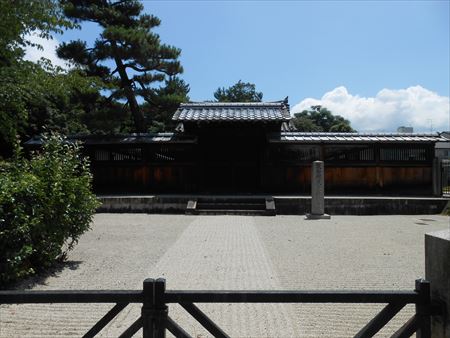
437,272
317,192
436,177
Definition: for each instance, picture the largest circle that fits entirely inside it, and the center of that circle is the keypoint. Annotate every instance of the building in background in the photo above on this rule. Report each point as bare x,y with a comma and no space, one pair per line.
248,148
443,148
408,130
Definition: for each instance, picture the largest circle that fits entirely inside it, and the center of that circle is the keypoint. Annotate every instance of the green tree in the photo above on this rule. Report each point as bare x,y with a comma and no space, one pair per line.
139,57
320,119
20,18
67,102
25,83
38,97
163,102
239,92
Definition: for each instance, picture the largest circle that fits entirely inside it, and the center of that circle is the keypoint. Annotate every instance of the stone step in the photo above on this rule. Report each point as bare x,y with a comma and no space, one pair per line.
231,206
242,212
221,199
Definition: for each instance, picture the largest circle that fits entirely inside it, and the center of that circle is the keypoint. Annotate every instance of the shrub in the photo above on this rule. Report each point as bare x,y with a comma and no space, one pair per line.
46,204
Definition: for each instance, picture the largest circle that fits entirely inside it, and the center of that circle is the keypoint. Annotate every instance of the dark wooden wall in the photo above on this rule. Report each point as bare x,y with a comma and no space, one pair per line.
351,180
394,169
211,167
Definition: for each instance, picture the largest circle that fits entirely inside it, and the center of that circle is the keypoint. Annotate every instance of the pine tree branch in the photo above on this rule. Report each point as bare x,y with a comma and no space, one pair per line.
140,83
164,71
136,68
119,3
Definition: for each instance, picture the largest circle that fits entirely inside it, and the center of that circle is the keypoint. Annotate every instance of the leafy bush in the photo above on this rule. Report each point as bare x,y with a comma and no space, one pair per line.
46,204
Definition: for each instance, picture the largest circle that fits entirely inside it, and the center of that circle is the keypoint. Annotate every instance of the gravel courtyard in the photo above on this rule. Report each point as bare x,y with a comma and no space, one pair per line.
234,252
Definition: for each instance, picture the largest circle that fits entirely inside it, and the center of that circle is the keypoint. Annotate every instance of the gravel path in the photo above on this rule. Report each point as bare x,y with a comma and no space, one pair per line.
234,252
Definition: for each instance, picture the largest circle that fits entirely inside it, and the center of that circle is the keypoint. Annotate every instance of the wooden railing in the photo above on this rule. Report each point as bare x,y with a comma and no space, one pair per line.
155,319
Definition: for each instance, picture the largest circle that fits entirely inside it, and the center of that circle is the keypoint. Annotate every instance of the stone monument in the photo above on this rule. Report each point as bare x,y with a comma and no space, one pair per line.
317,192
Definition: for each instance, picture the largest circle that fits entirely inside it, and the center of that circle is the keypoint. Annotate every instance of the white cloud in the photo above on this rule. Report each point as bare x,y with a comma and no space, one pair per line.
49,51
415,106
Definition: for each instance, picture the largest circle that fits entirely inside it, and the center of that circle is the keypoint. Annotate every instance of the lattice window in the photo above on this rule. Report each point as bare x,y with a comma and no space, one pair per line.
121,154
349,153
404,154
101,155
164,154
295,153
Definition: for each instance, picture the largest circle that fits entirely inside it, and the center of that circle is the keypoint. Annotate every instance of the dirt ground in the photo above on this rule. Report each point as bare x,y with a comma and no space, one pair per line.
234,252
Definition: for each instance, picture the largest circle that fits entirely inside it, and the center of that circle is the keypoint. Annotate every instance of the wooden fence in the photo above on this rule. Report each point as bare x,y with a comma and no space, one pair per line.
155,319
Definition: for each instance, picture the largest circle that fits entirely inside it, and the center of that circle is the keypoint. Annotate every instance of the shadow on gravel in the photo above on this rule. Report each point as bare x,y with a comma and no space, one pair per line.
41,276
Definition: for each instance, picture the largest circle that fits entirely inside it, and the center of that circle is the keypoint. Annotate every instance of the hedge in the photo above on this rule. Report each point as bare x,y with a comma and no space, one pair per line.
46,204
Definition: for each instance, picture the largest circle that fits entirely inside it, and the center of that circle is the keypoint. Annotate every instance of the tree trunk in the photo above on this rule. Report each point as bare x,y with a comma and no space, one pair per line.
138,116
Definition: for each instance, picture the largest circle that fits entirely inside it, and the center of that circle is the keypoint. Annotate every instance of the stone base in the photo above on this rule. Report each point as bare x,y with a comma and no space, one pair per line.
317,216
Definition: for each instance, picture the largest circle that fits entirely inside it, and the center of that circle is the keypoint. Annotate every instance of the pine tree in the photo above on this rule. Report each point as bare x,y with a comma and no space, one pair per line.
163,103
140,59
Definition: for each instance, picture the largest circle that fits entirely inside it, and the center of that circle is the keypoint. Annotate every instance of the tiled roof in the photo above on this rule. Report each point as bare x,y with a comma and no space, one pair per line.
238,111
282,137
123,139
303,137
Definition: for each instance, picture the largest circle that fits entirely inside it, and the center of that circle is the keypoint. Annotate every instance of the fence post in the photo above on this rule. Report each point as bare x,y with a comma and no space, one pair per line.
161,309
423,310
154,309
147,312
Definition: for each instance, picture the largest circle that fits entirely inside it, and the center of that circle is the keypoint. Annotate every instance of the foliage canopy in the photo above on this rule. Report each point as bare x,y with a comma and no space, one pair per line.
89,98
320,119
140,59
239,92
34,95
20,18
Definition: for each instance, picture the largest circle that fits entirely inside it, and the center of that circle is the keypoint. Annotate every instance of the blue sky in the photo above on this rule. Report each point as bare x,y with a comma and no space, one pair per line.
303,49
388,59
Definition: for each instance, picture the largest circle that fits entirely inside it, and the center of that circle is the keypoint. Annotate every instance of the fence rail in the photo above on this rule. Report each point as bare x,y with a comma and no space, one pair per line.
121,296
154,319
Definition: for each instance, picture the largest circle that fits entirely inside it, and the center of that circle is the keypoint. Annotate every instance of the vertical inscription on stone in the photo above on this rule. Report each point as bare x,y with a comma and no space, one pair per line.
317,192
317,189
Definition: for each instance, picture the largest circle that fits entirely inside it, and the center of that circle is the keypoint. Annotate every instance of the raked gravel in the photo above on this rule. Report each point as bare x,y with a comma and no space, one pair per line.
234,252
